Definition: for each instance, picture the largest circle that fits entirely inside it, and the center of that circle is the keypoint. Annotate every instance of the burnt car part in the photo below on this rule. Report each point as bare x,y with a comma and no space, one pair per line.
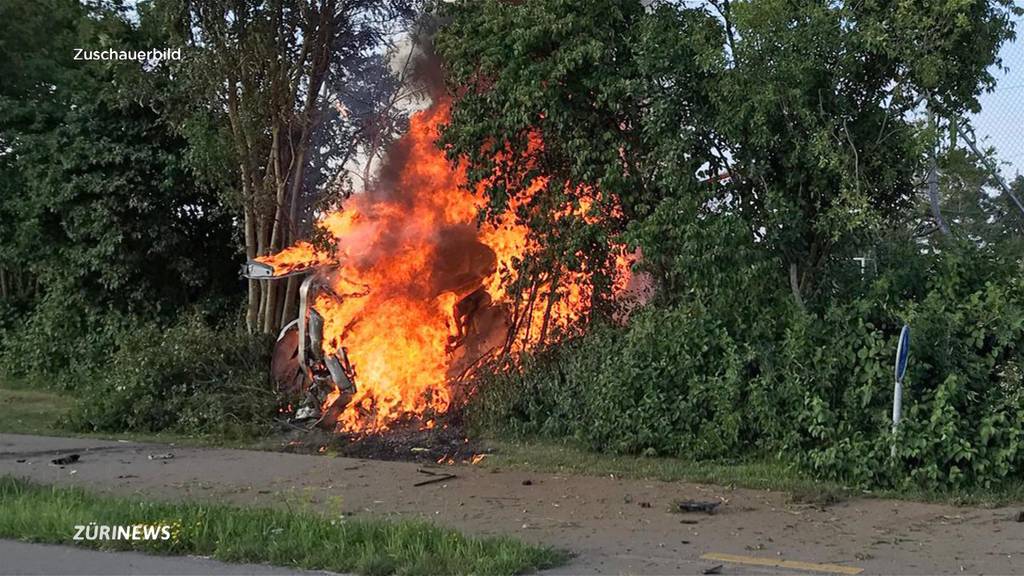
317,377
255,270
300,367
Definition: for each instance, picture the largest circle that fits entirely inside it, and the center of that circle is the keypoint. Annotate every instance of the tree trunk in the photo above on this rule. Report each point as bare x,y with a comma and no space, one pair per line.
252,309
272,315
933,184
794,285
552,296
993,171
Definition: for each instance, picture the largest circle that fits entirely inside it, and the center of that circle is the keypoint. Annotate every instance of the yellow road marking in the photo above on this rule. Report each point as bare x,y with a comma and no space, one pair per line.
789,564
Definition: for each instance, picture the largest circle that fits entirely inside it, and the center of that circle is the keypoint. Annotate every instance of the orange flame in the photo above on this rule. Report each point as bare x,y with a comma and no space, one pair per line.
405,254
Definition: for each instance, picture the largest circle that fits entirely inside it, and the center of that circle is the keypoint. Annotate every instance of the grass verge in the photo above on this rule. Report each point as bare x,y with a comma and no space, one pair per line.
567,458
29,407
300,539
25,410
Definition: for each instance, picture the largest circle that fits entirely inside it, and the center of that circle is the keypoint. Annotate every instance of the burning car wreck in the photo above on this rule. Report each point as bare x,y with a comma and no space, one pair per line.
408,291
319,381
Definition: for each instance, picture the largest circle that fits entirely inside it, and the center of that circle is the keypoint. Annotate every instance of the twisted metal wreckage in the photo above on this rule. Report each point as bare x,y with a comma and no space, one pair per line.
303,368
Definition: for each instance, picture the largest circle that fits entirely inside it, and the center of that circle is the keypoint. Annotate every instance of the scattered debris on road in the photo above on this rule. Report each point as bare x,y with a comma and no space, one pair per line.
706,506
163,456
437,477
65,460
716,569
1020,516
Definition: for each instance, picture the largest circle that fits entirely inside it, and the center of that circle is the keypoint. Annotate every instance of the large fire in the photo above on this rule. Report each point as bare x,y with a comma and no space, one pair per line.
407,258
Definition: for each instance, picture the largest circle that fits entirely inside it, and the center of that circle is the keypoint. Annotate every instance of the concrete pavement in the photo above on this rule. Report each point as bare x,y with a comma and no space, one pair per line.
28,559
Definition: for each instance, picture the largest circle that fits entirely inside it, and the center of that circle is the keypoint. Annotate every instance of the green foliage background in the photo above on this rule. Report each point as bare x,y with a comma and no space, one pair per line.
766,336
697,380
114,229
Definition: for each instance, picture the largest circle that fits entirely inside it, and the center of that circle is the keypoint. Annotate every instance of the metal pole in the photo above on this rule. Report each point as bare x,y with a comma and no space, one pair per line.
897,412
902,355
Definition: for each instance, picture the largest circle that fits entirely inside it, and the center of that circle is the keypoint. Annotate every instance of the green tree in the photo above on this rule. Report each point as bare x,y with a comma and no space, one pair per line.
797,115
269,74
101,210
816,110
579,117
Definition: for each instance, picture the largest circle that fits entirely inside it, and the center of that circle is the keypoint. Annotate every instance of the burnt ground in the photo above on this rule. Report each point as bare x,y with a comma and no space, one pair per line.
441,445
613,525
447,442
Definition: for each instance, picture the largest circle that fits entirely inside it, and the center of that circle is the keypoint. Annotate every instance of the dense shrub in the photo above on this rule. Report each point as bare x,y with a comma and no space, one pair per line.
687,378
963,410
634,390
190,378
59,339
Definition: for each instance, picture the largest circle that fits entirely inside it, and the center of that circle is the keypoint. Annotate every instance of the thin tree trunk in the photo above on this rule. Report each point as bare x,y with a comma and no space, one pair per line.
552,295
251,223
528,311
992,169
296,188
794,285
933,184
276,237
272,315
252,309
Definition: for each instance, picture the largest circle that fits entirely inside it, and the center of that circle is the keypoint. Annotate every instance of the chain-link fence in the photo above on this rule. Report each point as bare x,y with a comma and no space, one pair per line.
1000,124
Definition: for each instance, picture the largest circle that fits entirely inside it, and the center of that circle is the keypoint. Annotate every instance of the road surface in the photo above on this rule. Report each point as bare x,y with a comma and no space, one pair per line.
26,559
613,525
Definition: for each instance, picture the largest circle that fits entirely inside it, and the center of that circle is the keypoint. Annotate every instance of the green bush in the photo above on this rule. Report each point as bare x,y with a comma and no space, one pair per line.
190,378
963,410
694,378
59,339
673,383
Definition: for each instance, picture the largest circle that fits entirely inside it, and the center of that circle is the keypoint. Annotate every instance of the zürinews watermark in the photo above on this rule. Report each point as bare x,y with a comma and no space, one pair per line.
153,55
93,531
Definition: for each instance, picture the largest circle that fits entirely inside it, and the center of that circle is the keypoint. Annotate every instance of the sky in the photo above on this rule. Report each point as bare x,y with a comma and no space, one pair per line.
1001,120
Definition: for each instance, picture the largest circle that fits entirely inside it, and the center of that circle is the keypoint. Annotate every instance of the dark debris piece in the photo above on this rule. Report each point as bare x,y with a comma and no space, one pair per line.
697,506
65,460
437,477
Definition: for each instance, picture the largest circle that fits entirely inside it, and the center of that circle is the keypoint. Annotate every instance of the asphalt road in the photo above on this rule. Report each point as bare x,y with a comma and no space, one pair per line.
612,525
22,558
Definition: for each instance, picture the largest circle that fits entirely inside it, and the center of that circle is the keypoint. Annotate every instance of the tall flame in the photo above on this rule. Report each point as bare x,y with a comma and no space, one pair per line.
405,254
